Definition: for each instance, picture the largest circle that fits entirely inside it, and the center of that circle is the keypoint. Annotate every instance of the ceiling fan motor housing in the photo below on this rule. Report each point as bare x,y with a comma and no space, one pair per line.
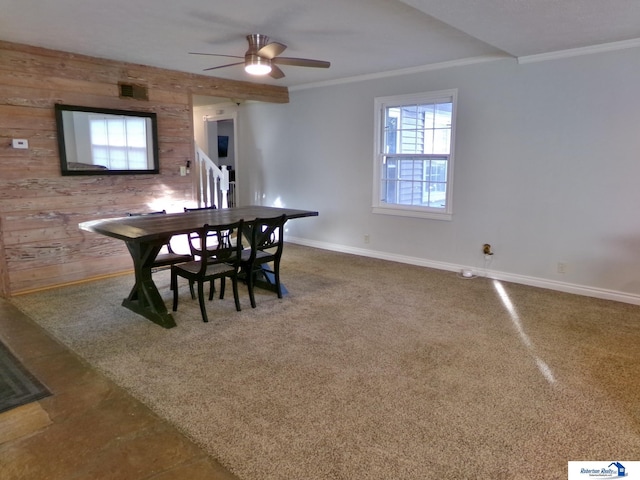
256,42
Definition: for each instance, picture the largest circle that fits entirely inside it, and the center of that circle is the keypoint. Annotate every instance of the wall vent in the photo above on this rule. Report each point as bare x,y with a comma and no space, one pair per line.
137,92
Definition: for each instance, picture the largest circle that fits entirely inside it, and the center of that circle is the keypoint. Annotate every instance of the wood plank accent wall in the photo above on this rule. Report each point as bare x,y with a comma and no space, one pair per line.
40,243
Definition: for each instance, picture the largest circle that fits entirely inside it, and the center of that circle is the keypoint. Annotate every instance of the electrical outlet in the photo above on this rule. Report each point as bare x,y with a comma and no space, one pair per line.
562,267
20,143
367,238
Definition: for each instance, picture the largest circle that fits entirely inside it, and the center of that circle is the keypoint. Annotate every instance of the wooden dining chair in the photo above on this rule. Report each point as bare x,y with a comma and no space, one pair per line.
194,242
167,255
193,237
266,237
220,262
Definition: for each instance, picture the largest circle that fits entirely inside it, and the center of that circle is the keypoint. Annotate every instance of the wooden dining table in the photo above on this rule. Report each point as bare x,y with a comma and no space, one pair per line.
145,236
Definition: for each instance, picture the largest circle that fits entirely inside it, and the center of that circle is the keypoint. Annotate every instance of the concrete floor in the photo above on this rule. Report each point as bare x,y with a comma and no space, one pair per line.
89,428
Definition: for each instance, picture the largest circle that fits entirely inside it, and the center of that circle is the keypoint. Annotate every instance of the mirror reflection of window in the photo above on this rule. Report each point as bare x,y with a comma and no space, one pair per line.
119,142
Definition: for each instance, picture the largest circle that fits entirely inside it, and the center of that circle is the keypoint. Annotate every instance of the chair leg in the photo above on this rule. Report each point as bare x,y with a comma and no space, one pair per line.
222,287
276,272
174,287
203,306
250,278
193,293
236,297
212,290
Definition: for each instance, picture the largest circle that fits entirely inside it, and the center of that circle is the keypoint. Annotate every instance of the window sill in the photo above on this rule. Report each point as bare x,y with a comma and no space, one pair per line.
415,213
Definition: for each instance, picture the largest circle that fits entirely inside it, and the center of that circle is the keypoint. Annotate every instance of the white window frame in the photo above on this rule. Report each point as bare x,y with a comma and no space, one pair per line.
381,103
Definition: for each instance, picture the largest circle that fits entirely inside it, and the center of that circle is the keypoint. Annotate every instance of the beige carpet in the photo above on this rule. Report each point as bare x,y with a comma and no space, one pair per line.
374,370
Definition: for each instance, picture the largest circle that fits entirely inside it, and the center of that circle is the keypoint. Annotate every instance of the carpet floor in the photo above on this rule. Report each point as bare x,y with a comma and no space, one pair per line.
370,369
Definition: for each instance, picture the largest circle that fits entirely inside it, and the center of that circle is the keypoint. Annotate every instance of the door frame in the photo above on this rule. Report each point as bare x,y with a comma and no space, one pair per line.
226,112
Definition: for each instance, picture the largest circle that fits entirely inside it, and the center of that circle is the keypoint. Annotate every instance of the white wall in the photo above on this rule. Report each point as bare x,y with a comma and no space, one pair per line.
546,171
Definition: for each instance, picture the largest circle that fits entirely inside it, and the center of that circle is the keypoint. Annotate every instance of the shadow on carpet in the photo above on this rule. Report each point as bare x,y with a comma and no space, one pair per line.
17,385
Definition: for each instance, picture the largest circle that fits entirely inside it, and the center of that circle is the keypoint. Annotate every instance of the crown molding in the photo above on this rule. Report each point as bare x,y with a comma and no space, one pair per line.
575,52
403,71
541,57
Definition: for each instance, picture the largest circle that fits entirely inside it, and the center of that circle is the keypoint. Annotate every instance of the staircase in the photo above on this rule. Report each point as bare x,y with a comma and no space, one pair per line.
212,183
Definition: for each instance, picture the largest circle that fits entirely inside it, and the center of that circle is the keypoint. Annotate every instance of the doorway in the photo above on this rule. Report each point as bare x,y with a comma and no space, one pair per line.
215,129
221,139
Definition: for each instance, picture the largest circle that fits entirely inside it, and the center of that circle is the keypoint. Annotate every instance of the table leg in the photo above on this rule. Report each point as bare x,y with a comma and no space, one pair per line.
145,299
266,280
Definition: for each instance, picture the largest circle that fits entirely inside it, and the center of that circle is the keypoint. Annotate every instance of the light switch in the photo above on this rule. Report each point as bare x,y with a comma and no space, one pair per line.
20,143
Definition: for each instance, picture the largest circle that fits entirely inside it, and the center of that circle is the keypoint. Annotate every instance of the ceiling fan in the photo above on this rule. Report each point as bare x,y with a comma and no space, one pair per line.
262,58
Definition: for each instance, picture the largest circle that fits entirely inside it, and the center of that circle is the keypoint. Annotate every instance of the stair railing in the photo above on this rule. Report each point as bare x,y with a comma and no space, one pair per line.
212,183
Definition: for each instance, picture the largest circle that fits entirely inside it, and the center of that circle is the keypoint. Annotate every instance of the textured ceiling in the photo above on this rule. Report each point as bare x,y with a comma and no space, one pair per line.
358,37
531,27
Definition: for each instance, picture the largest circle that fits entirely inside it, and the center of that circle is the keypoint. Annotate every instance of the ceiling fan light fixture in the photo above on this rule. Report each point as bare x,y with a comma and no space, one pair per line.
257,65
263,58
257,69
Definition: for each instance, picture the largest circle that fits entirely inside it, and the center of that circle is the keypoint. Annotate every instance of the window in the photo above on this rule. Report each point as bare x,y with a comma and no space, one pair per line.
413,167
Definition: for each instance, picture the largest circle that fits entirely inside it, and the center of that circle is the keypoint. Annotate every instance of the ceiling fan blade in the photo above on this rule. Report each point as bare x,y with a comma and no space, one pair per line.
301,62
276,72
272,50
223,66
214,55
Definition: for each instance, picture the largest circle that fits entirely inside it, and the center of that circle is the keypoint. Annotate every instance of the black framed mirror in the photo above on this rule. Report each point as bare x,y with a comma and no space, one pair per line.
102,141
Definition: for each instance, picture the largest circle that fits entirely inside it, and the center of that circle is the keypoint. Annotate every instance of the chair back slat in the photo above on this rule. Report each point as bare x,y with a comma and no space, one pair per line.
267,235
167,256
212,251
194,242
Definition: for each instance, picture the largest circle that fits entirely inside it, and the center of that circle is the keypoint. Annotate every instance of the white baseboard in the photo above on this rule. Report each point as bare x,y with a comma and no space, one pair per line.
494,274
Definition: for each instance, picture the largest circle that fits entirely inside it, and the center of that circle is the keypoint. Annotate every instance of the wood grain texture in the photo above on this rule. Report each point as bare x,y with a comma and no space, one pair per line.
40,243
